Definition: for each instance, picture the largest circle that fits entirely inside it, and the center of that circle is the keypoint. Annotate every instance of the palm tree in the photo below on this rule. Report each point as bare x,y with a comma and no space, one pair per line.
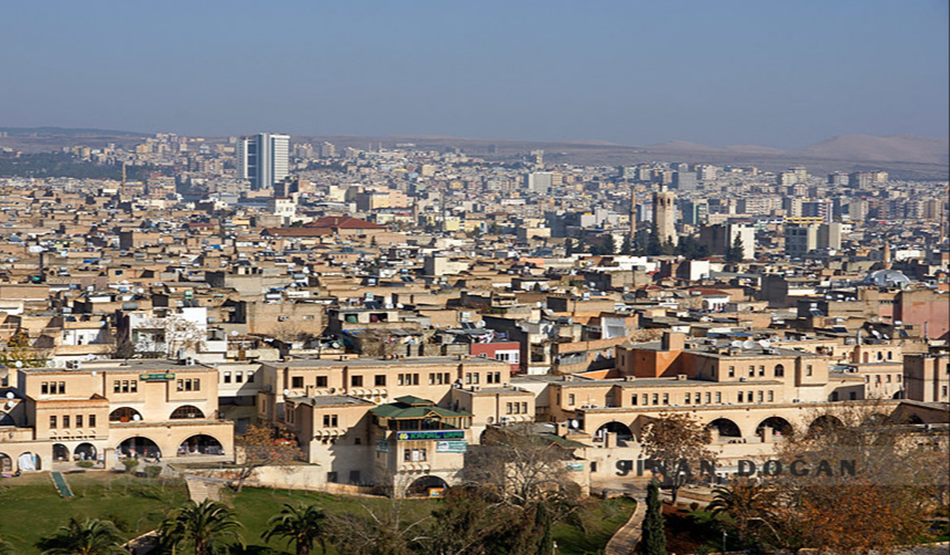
89,537
206,527
301,525
5,548
745,502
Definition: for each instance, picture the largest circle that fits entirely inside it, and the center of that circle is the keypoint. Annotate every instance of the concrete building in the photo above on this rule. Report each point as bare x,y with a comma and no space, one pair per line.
263,159
800,240
664,216
927,378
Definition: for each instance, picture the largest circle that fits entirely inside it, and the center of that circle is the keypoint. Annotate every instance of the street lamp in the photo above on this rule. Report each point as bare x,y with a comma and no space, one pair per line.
724,534
554,546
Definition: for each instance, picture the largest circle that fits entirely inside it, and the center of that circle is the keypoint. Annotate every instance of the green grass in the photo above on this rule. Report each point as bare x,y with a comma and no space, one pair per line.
32,508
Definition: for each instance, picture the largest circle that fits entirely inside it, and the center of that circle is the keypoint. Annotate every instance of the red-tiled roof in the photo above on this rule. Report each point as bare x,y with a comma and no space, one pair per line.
296,232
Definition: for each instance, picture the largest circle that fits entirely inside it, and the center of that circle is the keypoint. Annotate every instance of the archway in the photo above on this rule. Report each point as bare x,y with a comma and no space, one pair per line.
425,486
28,461
622,430
876,419
913,420
138,446
200,444
124,414
822,424
187,411
86,452
60,452
779,426
725,427
6,463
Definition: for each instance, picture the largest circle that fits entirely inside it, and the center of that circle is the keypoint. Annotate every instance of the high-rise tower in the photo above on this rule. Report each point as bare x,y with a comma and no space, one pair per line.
664,216
263,159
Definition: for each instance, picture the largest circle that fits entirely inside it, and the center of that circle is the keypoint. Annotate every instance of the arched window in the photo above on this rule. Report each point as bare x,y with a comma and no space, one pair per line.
779,371
124,414
187,411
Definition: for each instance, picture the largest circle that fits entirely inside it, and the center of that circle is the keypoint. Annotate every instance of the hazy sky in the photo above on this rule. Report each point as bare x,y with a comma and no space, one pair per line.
718,72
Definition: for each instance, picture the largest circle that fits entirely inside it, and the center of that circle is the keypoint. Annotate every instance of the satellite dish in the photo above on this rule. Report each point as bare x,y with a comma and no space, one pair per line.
575,424
765,344
94,373
234,333
748,344
19,364
10,395
286,392
10,404
736,344
335,345
136,417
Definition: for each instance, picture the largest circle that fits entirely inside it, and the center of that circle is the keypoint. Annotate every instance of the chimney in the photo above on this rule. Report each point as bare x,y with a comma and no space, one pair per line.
672,341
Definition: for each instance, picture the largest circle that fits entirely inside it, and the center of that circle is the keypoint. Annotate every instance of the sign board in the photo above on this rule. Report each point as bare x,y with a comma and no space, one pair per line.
163,377
382,446
431,434
575,466
436,492
451,446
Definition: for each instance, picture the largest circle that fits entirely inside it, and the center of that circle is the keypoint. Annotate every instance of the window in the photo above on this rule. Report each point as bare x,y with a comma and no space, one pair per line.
330,421
666,398
570,399
688,398
116,386
321,381
52,422
708,397
239,377
779,371
356,381
44,388
227,377
761,370
422,454
62,388
740,397
125,386
633,399
379,380
719,397
524,407
732,371
808,370
751,371
250,377
407,455
898,378
134,386
507,408
79,421
475,377
92,420
65,420
656,398
494,377
759,396
771,396
296,382
888,380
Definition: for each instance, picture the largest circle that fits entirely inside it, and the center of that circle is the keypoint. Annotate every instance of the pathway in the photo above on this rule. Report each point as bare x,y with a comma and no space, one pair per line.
60,482
201,488
625,540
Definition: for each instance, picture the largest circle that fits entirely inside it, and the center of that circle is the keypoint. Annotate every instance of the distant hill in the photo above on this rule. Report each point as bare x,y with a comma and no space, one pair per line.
867,148
65,132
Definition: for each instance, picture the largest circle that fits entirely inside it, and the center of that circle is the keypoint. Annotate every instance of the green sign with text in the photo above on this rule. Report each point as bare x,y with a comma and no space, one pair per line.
434,434
164,377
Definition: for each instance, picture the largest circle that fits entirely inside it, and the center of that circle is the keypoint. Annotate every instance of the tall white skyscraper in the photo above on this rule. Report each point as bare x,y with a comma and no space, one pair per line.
263,159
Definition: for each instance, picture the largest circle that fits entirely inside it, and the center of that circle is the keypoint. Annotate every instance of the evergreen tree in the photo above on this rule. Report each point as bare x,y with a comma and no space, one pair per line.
569,246
627,246
734,253
654,247
653,536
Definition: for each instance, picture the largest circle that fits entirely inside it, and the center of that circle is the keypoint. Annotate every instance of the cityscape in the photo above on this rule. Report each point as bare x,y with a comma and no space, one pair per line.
291,339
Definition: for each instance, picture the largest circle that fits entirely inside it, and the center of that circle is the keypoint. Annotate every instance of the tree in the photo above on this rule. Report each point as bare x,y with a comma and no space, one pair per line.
569,247
627,246
387,529
302,525
18,350
653,530
5,548
207,528
263,446
745,503
735,252
89,537
654,246
676,444
473,520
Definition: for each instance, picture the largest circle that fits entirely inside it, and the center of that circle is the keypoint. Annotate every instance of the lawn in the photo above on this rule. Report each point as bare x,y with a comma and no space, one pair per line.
31,508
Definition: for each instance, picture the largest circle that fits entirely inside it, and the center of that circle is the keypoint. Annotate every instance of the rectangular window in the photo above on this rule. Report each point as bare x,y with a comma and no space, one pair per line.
656,398
475,377
507,408
666,398
379,380
65,420
422,454
125,386
134,386
44,388
718,397
633,399
92,420
740,397
52,421
356,381
330,421
524,407
79,421
227,377
239,377
688,399
116,386
759,396
181,385
751,371
62,388
250,377
761,371
808,370
708,397
321,381
771,396
732,371
407,455
431,378
570,399
296,382
468,378
888,378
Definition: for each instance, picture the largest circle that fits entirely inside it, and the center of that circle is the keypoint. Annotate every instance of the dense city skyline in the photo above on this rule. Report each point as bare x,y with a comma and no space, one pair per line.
781,76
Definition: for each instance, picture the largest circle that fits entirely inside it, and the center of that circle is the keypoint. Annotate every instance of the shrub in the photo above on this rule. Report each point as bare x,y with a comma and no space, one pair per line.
130,465
85,464
153,471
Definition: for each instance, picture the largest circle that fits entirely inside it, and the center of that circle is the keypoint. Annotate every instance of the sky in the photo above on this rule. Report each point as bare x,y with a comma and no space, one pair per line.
723,72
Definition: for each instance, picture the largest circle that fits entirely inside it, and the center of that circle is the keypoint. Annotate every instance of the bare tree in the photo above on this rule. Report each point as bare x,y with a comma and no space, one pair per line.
676,443
390,529
262,446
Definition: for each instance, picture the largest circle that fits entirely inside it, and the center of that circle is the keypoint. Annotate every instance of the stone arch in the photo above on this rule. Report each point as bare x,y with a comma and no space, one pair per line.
200,444
778,425
185,412
86,451
421,486
136,446
28,461
622,430
824,423
725,427
124,414
6,463
60,452
876,419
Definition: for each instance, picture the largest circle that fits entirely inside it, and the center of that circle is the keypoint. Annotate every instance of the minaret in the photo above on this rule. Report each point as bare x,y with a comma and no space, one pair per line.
633,213
887,256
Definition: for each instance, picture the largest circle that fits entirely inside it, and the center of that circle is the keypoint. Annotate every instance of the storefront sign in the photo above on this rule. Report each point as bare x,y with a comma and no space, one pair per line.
428,435
451,446
382,446
164,377
575,466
